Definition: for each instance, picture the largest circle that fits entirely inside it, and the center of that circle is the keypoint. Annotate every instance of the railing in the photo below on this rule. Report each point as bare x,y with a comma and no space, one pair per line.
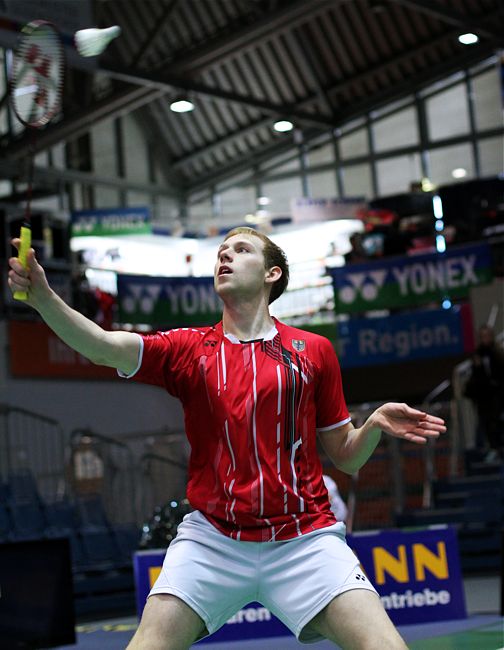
34,442
161,478
105,466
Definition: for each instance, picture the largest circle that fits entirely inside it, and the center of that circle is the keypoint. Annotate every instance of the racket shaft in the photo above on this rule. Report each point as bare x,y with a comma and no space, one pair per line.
24,247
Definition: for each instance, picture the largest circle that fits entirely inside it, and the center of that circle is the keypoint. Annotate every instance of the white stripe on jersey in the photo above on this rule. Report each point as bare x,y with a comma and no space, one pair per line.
294,477
229,444
224,371
254,431
218,374
297,524
279,377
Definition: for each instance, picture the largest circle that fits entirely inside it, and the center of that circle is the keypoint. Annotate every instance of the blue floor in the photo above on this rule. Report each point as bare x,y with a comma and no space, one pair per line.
115,635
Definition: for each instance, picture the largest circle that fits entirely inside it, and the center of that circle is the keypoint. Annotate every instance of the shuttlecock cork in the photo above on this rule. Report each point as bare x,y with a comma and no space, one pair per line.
92,41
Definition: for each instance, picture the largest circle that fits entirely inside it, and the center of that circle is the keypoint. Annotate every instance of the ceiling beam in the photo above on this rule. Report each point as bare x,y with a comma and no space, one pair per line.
434,73
338,87
484,25
165,82
119,103
239,38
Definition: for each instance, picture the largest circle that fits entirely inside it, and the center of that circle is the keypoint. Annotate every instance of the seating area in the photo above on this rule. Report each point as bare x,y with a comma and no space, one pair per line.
101,552
474,505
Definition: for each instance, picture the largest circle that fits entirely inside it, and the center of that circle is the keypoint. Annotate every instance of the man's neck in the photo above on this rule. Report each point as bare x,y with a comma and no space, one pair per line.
247,321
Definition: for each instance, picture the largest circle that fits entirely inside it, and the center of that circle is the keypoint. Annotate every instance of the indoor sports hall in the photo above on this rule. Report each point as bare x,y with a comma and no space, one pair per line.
166,396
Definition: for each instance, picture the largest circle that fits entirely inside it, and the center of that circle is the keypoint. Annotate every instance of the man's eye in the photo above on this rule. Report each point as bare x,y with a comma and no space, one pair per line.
242,248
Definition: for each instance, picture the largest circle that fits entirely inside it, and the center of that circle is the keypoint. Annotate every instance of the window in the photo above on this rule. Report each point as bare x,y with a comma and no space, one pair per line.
397,130
448,113
491,152
395,175
354,144
280,194
106,197
322,185
487,100
103,148
444,160
357,181
321,155
238,201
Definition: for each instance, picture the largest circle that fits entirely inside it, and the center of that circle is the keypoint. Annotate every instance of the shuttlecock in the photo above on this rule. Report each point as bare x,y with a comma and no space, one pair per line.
91,42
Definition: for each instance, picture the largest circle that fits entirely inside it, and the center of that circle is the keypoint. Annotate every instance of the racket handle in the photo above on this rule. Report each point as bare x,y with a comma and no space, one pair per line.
24,247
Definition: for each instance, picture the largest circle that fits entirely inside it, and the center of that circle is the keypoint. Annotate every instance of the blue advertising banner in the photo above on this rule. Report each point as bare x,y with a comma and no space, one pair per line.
410,281
111,222
401,337
167,302
417,574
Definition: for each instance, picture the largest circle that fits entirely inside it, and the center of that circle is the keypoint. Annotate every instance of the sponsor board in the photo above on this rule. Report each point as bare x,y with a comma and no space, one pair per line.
411,281
111,222
167,302
416,573
326,209
417,335
35,351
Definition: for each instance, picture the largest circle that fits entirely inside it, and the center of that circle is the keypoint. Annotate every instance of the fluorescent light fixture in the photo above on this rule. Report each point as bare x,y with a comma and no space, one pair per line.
263,200
437,206
468,39
439,225
283,125
459,172
181,106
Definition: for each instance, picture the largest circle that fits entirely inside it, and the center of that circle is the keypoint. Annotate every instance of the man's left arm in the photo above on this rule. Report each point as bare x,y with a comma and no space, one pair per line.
349,448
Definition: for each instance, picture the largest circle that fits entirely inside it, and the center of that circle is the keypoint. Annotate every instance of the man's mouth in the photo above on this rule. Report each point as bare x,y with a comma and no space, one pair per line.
224,270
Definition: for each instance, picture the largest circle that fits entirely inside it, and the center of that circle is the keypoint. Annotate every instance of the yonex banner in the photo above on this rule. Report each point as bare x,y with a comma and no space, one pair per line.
305,209
407,281
405,337
111,222
167,302
417,574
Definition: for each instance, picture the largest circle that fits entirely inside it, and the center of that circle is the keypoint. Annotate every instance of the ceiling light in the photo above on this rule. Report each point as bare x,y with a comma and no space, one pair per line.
263,200
468,39
459,172
181,106
283,125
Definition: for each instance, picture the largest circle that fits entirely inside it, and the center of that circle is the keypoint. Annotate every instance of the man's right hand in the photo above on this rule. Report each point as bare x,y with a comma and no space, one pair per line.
32,280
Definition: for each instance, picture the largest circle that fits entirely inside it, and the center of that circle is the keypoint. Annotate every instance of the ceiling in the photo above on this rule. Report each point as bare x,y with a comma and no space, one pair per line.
247,63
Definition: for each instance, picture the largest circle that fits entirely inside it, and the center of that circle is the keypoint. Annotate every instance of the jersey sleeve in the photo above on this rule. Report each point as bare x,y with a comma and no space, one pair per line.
332,410
163,357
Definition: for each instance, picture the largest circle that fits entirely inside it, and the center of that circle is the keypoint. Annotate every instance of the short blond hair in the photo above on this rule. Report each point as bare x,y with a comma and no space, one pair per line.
273,256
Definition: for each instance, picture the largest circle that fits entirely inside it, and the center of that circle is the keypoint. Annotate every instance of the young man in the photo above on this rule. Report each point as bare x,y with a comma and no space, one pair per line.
255,393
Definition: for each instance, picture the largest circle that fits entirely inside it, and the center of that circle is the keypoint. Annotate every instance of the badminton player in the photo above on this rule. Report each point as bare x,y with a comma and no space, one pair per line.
256,393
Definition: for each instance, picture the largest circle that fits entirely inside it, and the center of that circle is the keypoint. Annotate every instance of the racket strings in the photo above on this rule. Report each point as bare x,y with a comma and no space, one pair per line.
37,75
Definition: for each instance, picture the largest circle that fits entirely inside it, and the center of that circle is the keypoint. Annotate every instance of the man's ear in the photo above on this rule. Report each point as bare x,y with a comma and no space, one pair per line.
273,274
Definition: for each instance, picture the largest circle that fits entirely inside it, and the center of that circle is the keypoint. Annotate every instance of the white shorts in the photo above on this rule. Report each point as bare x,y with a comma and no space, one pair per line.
295,579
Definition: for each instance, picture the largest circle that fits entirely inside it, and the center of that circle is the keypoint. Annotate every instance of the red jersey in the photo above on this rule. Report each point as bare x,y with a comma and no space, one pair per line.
252,410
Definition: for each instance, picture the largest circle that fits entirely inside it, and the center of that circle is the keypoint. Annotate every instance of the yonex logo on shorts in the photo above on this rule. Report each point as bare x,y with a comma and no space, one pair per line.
359,576
367,285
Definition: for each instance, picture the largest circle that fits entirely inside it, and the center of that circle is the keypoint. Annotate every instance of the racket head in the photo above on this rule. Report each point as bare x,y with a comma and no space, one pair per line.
36,82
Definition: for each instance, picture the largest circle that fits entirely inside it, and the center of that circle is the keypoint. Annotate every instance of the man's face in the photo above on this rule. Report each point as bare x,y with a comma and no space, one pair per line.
239,270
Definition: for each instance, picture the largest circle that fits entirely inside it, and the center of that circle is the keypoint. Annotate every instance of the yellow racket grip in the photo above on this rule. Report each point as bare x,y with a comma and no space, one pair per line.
24,247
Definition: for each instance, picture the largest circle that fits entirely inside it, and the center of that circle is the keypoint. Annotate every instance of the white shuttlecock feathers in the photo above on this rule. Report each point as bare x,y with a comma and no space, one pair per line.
92,41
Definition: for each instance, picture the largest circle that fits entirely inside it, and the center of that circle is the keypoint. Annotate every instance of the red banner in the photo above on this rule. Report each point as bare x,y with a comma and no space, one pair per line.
35,351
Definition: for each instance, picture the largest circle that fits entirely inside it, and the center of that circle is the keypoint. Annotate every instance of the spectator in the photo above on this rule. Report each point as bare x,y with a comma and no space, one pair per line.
485,388
357,253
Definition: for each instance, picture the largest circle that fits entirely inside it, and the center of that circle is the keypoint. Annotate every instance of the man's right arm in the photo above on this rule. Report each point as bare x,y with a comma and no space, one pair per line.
115,349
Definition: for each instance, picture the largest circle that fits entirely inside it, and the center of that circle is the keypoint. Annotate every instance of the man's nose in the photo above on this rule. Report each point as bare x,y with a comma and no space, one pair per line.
225,256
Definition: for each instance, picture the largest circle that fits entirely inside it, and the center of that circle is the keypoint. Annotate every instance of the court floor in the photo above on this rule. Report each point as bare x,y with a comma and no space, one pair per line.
482,630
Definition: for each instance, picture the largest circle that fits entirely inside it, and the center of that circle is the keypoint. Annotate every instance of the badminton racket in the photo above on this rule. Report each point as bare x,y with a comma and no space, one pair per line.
36,85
